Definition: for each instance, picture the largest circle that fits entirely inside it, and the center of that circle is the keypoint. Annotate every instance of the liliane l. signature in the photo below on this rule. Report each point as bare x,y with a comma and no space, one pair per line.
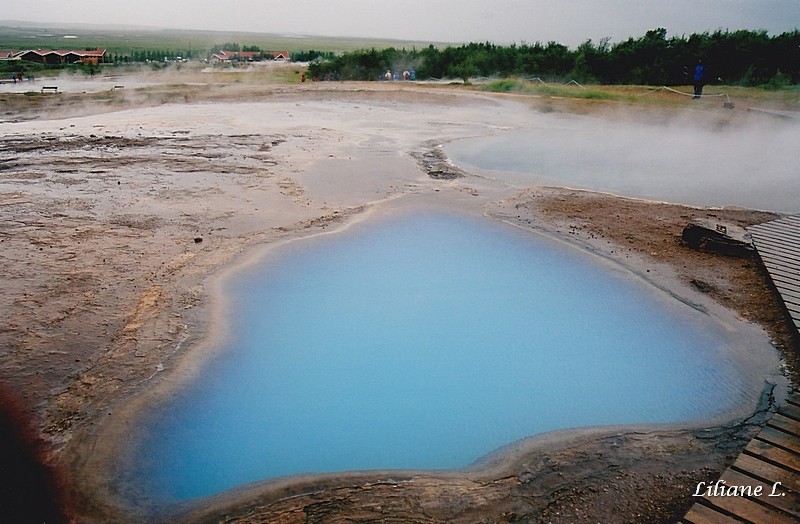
721,489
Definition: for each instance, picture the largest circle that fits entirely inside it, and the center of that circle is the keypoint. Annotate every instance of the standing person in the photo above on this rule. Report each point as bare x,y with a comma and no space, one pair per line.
699,79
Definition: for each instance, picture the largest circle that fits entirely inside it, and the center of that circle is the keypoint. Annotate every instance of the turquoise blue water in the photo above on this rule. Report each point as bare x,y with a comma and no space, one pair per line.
425,340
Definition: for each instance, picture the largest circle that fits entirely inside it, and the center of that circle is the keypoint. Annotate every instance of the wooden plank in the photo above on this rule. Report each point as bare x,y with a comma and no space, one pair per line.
782,279
790,303
750,510
794,312
791,250
790,298
779,438
790,410
779,262
776,241
779,258
785,221
778,248
774,454
782,282
784,499
789,223
776,226
782,219
780,224
769,472
775,232
766,244
785,424
790,293
699,514
772,249
775,249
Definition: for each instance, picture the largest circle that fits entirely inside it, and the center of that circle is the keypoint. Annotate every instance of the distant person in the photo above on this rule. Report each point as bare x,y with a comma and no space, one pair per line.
699,79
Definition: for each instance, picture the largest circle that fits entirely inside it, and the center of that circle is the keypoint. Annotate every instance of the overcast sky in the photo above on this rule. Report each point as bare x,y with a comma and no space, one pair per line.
501,21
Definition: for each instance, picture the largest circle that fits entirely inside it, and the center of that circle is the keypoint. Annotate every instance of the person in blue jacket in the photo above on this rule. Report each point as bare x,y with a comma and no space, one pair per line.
699,79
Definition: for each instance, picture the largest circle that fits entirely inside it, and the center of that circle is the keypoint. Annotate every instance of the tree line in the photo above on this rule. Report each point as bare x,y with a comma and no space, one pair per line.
741,57
151,55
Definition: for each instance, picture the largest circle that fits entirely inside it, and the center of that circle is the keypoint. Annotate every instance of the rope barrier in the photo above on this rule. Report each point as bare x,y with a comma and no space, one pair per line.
539,80
728,103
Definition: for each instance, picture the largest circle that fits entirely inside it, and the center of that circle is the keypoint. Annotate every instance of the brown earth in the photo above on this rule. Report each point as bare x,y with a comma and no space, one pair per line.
107,241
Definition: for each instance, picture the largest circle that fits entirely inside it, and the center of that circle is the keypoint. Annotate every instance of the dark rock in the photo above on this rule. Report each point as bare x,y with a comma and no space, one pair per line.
714,237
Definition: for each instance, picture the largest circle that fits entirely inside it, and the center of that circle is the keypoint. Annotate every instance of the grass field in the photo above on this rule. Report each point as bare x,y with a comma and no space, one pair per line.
124,41
787,98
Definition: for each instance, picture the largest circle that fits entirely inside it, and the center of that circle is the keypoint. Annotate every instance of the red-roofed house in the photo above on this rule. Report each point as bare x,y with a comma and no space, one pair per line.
9,55
247,56
63,56
233,56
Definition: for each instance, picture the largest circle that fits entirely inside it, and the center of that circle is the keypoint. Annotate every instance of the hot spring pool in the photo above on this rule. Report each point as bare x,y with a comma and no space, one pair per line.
426,340
747,166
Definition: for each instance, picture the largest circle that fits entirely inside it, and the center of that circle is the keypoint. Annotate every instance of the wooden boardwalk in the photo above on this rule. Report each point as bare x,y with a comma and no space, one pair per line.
767,473
768,468
778,245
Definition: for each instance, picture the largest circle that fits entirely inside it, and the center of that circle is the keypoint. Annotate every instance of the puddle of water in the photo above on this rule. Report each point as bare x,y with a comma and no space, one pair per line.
426,341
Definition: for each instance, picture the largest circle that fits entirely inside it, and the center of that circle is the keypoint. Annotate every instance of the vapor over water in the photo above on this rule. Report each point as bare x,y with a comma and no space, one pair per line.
745,162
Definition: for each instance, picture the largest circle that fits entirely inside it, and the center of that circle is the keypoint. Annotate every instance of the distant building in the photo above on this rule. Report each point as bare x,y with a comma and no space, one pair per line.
235,56
247,56
58,57
9,55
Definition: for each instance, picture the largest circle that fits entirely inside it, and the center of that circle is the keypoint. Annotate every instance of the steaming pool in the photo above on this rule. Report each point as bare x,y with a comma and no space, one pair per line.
426,340
751,166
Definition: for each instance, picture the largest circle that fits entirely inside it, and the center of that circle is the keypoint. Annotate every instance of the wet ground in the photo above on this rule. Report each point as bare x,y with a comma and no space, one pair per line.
111,223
